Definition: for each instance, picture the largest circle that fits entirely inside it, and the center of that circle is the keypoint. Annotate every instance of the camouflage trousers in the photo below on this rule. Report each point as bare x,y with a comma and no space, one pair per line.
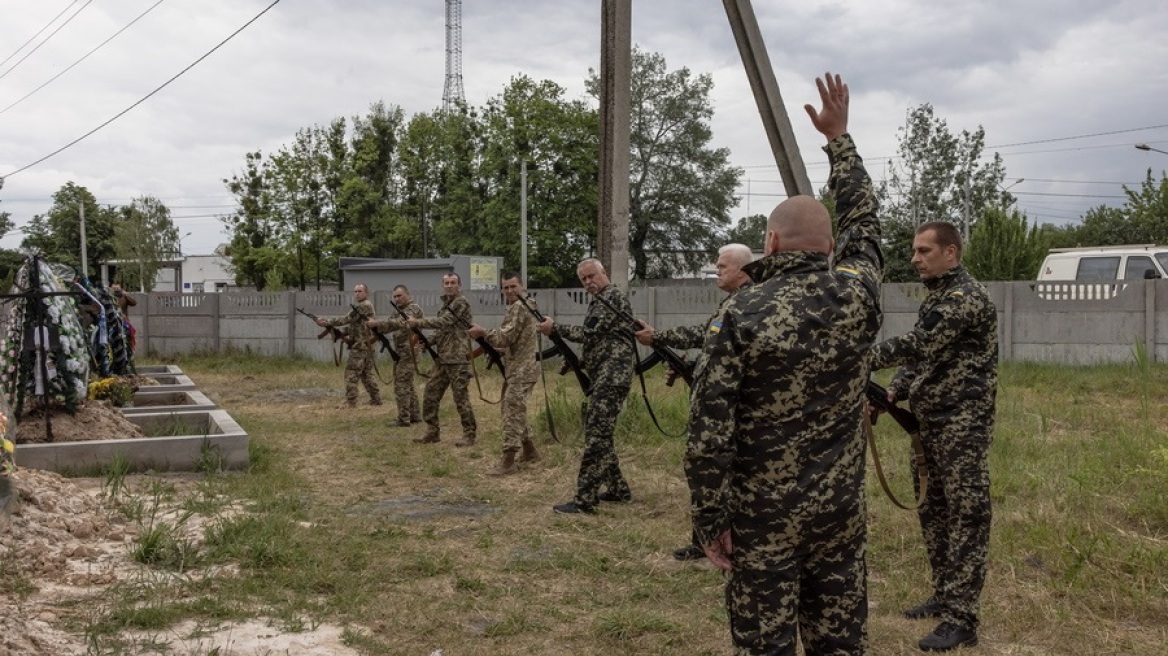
955,520
360,369
820,598
404,391
599,465
516,429
457,378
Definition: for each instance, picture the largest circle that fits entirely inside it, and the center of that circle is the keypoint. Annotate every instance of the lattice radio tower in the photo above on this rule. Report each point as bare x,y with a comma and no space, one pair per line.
452,93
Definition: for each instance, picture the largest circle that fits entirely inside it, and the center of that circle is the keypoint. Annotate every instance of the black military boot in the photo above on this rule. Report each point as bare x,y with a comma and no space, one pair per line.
948,636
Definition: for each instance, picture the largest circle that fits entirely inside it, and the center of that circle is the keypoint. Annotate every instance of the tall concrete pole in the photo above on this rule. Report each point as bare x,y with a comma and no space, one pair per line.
616,55
523,222
766,94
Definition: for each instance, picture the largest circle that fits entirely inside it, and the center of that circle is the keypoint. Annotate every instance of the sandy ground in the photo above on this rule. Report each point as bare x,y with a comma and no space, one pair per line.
62,540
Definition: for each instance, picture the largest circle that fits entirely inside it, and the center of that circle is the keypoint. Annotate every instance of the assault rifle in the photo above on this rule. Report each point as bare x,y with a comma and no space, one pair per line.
653,360
418,333
878,398
494,358
571,361
381,339
666,354
337,334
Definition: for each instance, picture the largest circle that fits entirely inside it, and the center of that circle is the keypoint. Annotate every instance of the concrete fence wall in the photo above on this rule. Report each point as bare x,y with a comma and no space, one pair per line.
1032,324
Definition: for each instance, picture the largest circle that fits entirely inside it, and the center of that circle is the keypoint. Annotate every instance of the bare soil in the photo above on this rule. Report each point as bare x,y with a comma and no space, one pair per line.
96,420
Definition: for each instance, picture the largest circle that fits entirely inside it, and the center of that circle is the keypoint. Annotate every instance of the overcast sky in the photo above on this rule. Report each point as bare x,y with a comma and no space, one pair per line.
1063,88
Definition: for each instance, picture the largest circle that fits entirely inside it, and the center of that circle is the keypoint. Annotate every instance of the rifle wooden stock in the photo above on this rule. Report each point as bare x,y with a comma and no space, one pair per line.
571,360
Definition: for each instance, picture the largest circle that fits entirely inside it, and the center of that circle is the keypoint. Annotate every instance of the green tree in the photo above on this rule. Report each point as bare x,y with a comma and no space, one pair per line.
1006,247
750,230
936,177
1143,219
369,218
257,256
145,236
57,234
681,188
532,122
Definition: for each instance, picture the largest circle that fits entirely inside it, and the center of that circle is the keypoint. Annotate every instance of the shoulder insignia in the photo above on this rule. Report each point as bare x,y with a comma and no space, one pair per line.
848,271
957,293
715,326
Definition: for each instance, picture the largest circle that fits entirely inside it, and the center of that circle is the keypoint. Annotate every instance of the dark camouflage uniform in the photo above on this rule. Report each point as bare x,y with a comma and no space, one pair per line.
518,340
776,449
608,361
690,337
949,375
453,369
404,390
359,368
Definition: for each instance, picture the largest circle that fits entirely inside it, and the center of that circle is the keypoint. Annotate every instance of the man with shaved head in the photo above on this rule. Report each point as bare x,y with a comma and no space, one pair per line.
775,460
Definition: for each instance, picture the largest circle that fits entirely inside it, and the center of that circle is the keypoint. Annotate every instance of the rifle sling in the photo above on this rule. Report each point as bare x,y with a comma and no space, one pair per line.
918,460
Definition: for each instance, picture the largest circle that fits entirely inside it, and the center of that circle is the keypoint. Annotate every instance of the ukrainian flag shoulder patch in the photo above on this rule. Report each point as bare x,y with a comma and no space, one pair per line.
715,327
848,271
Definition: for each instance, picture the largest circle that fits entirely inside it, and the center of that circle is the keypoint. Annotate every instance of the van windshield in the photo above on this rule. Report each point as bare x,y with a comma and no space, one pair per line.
1162,260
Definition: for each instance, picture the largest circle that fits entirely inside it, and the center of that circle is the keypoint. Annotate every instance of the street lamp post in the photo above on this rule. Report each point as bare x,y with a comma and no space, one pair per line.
1144,146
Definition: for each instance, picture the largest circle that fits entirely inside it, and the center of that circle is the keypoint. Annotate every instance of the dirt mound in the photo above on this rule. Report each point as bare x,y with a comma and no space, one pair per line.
56,537
96,420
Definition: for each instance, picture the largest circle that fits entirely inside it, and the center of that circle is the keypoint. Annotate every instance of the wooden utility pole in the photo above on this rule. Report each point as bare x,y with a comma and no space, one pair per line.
616,53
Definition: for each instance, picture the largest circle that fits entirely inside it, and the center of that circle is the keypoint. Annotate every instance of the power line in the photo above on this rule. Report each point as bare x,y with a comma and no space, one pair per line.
147,96
33,37
1081,136
83,57
38,46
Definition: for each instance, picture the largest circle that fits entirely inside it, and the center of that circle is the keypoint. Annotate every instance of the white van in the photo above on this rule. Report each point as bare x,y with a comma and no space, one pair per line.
1105,264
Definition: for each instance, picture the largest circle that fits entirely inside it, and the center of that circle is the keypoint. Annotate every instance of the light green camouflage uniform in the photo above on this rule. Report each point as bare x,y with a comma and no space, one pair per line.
453,368
359,367
776,448
518,340
608,360
404,390
949,375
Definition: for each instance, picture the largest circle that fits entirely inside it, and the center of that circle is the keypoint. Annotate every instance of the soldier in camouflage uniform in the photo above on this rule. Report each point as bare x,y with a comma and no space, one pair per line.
453,369
608,360
408,408
360,364
949,364
775,460
730,277
518,340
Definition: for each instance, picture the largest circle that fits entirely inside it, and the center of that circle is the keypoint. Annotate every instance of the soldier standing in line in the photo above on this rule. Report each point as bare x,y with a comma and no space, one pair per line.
360,364
518,338
608,361
775,460
731,278
949,368
453,370
408,408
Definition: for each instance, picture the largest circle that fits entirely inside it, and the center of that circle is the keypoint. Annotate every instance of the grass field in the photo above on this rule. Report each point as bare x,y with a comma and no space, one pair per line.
342,519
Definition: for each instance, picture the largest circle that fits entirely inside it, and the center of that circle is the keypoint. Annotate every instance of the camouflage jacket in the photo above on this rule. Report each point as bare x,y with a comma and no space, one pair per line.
776,450
518,339
949,360
402,334
450,337
608,343
355,326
